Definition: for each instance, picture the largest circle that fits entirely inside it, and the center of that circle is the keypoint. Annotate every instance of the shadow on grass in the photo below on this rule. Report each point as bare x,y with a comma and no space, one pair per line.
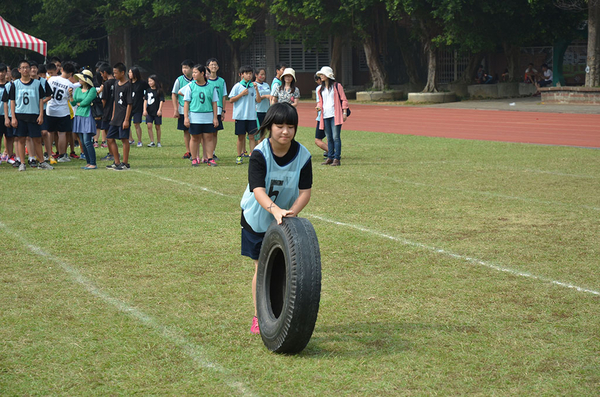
373,338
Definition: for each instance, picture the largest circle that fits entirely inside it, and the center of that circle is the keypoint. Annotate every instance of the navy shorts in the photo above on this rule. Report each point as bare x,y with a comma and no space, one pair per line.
319,134
99,124
180,125
60,124
251,244
32,130
44,125
105,125
197,129
116,132
245,126
8,132
220,120
261,118
137,118
154,119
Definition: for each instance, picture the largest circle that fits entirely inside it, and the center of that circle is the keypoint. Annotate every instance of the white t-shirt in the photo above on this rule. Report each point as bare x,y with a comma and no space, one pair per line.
58,106
328,105
548,74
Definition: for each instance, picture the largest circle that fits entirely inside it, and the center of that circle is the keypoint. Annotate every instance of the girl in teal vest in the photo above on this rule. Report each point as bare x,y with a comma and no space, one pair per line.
279,182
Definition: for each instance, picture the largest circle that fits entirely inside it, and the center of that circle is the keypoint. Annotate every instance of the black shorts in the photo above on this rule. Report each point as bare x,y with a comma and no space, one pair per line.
197,129
60,124
8,132
137,118
153,119
245,126
30,129
251,244
220,120
261,118
319,134
105,125
180,125
116,132
545,83
99,124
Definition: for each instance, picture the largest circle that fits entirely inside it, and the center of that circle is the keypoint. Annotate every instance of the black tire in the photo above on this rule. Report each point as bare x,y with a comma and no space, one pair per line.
288,285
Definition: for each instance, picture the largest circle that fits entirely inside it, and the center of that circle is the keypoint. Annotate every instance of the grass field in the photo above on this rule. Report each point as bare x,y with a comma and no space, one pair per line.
449,267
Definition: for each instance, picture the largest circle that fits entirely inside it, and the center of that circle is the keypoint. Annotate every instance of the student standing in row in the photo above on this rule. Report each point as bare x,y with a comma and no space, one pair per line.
57,110
119,124
279,68
221,86
153,103
265,95
182,81
244,96
138,90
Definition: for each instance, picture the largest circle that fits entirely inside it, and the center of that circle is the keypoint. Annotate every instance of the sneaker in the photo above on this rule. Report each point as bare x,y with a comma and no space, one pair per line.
82,156
140,144
239,160
126,166
11,160
195,162
53,161
16,163
73,155
22,167
215,157
95,144
120,167
254,328
245,154
158,144
108,157
211,162
46,157
112,166
103,145
32,163
4,157
131,142
151,144
63,158
55,155
187,155
45,166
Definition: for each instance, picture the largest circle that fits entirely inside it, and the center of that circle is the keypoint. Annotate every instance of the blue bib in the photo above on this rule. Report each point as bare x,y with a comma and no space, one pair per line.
27,97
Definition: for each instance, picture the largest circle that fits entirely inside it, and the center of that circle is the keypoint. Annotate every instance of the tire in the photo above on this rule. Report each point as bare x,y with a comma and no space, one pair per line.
288,285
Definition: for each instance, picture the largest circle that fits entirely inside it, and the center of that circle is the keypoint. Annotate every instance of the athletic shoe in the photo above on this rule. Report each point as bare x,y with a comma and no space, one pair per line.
11,160
104,145
112,166
254,328
126,166
239,160
95,145
140,144
151,144
82,156
187,155
131,142
4,157
55,155
73,155
195,162
158,144
215,157
212,163
204,161
120,167
45,166
22,167
16,163
32,163
245,154
46,157
53,161
63,158
108,157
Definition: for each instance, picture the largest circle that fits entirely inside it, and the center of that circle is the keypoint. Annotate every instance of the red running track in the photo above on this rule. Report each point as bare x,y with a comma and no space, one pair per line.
581,130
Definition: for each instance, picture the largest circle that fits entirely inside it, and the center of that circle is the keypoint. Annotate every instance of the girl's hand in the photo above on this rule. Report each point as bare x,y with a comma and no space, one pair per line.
159,113
70,91
318,109
186,122
279,214
145,114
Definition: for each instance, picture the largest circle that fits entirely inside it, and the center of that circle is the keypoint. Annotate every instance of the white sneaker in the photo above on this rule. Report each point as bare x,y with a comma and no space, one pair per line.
64,158
151,144
22,167
140,144
45,166
158,144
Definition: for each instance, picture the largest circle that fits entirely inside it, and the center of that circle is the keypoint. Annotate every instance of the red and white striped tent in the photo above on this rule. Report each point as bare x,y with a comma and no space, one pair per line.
13,37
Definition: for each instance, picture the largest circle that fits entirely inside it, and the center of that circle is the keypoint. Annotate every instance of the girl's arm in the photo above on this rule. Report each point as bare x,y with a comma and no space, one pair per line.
301,201
186,114
89,97
145,112
159,111
260,194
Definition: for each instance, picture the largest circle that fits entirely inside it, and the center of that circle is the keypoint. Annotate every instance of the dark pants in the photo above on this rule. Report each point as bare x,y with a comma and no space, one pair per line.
88,148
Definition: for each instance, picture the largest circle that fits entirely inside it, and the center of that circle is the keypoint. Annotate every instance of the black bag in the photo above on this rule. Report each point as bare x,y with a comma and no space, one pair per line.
97,108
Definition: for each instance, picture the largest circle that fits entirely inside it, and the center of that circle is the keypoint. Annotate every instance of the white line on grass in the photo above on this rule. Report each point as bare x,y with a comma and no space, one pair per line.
171,334
455,256
491,194
415,244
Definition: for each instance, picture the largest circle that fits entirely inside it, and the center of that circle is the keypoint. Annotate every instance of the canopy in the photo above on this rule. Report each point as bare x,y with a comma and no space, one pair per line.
13,37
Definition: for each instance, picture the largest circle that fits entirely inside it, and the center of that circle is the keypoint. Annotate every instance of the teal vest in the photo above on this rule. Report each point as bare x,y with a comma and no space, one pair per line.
219,84
182,83
202,96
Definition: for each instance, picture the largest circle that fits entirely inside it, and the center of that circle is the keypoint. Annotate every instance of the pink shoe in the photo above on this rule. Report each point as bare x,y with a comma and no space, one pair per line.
254,329
195,162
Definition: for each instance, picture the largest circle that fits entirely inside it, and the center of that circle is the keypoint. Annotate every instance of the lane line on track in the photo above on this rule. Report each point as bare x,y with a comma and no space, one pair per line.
404,241
170,334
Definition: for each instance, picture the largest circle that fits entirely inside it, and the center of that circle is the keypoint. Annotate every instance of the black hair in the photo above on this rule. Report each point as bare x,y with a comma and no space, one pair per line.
201,68
105,68
188,62
159,89
120,66
257,70
42,69
3,67
33,63
55,59
68,67
50,66
279,113
280,65
99,64
545,65
24,61
246,69
317,77
292,85
15,74
136,73
211,60
75,65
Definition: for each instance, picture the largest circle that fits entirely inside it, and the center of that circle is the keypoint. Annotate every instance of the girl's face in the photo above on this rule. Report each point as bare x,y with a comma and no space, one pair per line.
288,79
151,83
261,76
130,74
283,134
198,75
323,78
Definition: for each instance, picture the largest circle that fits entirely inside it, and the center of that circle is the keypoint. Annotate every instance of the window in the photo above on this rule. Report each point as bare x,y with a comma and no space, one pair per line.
296,55
256,53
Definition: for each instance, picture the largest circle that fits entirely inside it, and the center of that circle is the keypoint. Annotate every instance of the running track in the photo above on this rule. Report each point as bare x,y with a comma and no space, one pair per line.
581,130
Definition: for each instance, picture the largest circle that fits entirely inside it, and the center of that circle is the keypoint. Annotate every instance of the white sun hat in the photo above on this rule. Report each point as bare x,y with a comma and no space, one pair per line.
327,72
289,72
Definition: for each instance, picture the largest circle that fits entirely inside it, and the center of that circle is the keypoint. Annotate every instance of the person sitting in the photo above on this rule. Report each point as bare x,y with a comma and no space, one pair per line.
482,77
547,77
505,76
530,74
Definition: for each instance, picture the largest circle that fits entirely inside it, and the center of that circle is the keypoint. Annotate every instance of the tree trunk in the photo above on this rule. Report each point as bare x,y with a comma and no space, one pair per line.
592,77
431,68
469,72
235,59
512,60
376,69
409,58
336,57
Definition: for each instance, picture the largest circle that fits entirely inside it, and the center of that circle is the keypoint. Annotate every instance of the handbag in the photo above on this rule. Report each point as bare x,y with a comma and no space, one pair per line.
97,109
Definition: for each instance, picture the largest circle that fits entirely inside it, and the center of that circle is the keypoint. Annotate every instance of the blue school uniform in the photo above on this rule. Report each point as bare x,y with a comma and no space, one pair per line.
245,107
